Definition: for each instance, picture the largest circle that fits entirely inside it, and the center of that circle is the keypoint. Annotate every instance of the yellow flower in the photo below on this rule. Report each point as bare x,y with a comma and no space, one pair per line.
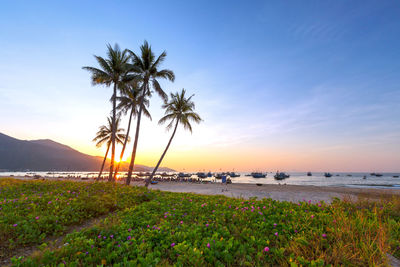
78,253
194,249
103,262
222,238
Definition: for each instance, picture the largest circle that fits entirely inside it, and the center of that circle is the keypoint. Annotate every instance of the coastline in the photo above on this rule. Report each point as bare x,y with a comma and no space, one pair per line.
292,193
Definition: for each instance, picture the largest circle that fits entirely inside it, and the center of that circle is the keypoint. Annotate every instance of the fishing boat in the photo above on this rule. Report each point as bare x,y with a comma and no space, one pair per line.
309,174
281,176
233,174
327,174
258,175
395,176
184,175
378,175
201,175
372,174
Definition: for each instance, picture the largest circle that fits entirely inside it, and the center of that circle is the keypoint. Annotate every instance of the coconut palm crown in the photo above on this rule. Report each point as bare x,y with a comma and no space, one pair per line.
113,70
146,73
178,110
104,136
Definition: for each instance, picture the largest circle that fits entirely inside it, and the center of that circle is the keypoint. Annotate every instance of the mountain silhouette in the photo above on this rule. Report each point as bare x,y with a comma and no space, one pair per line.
48,155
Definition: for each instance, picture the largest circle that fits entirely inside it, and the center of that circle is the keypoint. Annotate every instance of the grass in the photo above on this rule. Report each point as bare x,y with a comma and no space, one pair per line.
160,228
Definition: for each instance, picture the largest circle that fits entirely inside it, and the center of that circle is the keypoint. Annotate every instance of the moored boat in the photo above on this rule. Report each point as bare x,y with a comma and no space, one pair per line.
258,175
309,174
327,174
281,176
233,174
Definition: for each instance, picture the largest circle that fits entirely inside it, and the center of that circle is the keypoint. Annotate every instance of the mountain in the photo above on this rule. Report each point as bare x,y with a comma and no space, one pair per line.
47,155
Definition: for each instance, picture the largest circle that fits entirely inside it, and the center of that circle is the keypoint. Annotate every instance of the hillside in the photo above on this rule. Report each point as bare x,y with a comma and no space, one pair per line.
48,155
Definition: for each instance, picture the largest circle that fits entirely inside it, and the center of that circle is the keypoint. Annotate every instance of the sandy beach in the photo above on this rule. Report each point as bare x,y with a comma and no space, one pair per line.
293,193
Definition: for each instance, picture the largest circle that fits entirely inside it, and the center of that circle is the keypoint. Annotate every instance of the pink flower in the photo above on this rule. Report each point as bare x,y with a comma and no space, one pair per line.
207,224
266,249
312,216
323,235
129,238
276,234
129,229
15,225
173,244
208,245
37,217
181,222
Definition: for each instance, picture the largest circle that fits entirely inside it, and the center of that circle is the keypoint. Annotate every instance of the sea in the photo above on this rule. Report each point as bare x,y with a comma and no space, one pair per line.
348,179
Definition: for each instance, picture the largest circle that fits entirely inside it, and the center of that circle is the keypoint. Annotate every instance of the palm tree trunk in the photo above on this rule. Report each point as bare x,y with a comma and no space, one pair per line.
132,163
110,177
125,142
162,156
104,161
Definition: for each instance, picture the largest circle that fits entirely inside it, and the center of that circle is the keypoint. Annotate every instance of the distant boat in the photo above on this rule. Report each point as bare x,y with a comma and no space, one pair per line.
281,176
372,174
349,175
309,174
395,176
327,174
233,174
209,174
365,177
258,175
378,174
184,175
201,175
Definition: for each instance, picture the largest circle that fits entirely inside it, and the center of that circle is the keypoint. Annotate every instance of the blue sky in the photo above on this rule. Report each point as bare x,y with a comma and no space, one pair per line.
294,85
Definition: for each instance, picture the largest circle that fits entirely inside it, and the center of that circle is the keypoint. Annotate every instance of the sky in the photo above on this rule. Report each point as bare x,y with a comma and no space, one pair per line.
288,85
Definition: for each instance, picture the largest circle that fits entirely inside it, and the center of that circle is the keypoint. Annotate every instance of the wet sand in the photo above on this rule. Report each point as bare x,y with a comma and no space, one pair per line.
293,193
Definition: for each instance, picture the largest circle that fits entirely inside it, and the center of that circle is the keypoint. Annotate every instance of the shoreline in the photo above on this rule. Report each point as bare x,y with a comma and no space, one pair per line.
292,193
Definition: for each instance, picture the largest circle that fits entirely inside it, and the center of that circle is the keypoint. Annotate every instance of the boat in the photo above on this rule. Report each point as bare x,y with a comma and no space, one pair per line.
327,174
209,174
259,184
258,175
281,176
309,174
372,174
395,176
233,174
364,177
378,175
349,175
218,176
201,175
154,182
184,175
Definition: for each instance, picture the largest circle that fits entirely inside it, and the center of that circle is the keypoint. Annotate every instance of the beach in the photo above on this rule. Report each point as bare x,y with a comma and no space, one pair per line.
293,193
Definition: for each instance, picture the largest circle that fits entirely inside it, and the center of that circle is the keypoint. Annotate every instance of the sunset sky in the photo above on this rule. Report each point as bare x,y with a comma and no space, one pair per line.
288,85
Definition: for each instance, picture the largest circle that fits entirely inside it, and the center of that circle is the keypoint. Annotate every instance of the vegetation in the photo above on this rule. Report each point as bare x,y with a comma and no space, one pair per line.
104,135
161,228
129,102
179,109
32,210
146,74
135,76
113,71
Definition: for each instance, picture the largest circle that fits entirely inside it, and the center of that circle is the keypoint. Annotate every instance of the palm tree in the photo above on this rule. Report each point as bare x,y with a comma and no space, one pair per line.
129,102
146,74
105,135
178,109
113,71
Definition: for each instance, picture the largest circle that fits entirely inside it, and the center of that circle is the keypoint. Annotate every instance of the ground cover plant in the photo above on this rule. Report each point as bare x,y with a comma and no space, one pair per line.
32,210
195,230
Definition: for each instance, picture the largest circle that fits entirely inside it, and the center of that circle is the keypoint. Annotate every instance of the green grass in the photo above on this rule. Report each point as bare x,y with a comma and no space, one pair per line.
163,228
32,210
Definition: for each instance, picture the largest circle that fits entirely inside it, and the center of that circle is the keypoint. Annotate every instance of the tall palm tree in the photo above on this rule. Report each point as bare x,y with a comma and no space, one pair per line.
113,71
178,109
129,102
147,73
105,135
